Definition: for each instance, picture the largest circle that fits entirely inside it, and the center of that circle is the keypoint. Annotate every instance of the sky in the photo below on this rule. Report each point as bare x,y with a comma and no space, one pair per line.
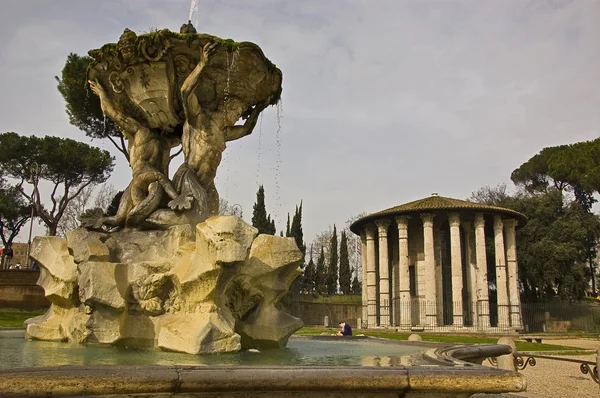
384,102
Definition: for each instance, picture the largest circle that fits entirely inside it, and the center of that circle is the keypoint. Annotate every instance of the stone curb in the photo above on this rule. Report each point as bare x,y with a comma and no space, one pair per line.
101,380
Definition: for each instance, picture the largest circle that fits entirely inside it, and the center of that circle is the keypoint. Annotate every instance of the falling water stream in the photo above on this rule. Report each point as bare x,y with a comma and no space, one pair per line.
278,141
232,67
259,149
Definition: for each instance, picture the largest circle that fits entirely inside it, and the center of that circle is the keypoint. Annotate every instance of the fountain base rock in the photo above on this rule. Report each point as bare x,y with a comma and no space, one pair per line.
209,290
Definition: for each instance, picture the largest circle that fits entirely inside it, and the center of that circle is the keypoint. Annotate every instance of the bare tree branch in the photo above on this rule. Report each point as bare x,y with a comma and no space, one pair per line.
53,198
121,146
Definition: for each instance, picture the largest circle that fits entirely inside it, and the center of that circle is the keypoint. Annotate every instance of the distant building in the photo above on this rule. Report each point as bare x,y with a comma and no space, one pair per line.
426,266
19,255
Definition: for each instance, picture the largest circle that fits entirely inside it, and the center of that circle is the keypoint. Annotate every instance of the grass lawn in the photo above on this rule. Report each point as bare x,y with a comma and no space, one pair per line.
458,339
15,319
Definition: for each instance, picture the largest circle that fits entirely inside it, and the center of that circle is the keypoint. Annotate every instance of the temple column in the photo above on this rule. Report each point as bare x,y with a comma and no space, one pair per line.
430,287
456,263
395,287
513,274
471,269
404,277
439,280
384,273
501,284
363,260
371,277
483,302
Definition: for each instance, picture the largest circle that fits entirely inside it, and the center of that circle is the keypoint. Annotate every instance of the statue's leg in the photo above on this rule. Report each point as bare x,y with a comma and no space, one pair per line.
125,206
179,201
140,190
186,181
167,186
140,187
145,207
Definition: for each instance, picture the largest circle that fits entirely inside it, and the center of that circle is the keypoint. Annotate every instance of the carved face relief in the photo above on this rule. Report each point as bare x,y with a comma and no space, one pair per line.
128,52
182,65
127,46
154,52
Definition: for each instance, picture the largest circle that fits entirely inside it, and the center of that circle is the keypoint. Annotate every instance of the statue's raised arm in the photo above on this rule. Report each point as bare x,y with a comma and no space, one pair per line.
234,132
191,106
128,125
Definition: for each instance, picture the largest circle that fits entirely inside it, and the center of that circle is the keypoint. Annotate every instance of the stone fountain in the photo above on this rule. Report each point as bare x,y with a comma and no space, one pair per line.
166,271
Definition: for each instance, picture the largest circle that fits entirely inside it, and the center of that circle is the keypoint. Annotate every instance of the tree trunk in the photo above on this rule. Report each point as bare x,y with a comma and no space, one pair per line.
52,228
591,260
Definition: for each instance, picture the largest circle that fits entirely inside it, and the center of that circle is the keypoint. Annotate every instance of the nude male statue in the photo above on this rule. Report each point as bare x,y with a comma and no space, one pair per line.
205,135
149,156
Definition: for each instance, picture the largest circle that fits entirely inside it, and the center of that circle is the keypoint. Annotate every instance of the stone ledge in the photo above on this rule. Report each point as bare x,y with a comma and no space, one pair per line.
254,381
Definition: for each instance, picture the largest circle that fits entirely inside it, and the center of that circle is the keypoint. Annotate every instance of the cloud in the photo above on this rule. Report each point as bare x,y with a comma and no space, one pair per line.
381,105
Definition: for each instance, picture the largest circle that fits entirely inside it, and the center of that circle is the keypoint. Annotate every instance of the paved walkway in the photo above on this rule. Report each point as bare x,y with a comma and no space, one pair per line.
550,378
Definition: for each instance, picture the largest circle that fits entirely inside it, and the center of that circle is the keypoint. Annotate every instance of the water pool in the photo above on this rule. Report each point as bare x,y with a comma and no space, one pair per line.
19,352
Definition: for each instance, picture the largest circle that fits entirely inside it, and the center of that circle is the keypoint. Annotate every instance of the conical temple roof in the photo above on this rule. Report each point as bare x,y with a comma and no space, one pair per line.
436,203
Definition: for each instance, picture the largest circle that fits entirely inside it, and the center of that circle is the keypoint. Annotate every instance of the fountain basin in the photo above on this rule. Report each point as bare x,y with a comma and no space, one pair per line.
310,366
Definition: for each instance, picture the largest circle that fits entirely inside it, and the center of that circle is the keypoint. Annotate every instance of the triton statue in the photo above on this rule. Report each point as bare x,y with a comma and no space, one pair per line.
163,90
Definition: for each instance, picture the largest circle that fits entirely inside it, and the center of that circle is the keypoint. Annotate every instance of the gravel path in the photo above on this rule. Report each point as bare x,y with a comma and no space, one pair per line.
550,378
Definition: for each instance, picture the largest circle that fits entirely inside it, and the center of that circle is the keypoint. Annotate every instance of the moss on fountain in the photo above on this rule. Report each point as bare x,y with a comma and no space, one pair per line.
253,71
156,36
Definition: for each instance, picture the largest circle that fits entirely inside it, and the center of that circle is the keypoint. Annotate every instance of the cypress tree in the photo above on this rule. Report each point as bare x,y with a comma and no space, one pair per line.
308,279
260,219
345,274
271,230
296,229
306,282
320,274
332,271
356,285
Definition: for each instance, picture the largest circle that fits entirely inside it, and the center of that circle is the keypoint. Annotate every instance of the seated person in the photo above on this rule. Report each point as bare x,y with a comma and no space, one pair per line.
346,330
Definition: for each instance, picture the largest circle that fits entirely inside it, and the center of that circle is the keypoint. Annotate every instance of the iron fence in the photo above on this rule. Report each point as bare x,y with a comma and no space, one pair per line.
551,316
560,316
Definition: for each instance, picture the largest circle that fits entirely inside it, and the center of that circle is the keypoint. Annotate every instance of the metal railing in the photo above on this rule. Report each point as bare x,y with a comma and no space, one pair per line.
418,313
428,315
586,367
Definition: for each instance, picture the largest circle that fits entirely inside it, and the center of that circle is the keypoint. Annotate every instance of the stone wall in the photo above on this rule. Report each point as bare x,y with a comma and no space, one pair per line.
312,314
19,290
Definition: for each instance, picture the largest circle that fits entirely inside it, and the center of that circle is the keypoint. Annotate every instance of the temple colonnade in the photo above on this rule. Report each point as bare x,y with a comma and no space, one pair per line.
440,263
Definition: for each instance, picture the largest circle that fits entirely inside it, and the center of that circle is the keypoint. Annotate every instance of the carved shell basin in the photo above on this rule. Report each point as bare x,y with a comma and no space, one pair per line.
144,75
